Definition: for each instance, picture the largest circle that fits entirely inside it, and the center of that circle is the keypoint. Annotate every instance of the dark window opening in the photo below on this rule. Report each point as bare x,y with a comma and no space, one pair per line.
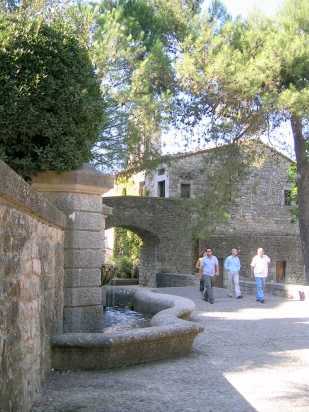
185,190
287,197
161,188
161,172
280,271
141,188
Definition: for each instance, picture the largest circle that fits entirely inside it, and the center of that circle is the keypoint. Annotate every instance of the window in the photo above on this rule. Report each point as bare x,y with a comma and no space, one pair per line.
141,188
287,198
185,190
161,188
161,172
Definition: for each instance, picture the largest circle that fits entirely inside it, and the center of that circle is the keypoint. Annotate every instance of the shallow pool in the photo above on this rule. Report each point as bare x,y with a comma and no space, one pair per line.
119,319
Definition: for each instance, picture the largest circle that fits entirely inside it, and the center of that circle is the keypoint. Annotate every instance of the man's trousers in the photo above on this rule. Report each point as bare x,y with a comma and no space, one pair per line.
208,291
233,283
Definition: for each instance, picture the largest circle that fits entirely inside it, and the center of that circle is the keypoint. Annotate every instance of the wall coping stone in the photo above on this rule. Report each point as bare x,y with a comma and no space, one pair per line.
170,200
85,180
288,290
15,191
167,327
168,321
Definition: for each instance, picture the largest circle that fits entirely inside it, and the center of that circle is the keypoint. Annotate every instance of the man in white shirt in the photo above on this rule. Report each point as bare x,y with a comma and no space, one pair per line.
260,264
209,267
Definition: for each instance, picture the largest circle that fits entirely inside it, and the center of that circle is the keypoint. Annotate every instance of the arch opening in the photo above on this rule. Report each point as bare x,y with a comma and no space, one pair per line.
134,252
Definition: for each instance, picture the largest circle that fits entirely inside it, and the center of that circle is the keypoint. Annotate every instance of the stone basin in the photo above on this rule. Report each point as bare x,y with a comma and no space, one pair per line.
170,334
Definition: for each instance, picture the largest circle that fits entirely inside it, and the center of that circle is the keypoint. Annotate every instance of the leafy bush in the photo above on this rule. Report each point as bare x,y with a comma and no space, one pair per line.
51,109
127,243
124,267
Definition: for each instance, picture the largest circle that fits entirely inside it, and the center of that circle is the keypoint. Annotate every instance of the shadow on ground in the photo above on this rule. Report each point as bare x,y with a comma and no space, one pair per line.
251,357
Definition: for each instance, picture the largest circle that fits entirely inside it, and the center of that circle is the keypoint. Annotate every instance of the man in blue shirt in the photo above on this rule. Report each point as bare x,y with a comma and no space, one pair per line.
209,267
232,266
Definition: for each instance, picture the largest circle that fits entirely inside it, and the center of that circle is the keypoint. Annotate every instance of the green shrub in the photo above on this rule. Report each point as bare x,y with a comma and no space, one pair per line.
124,267
51,109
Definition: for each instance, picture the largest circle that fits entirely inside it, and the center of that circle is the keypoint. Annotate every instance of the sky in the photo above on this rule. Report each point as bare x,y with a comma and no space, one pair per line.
283,136
244,7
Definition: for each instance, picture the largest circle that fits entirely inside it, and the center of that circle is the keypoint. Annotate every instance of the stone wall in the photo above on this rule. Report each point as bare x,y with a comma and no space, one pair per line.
31,289
258,214
258,199
279,248
164,226
78,194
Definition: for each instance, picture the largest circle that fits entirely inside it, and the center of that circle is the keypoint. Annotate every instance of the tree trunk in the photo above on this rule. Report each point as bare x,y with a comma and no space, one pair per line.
302,159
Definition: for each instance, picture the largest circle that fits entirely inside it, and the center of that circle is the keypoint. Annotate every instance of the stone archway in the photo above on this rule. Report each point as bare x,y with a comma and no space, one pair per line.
165,227
149,258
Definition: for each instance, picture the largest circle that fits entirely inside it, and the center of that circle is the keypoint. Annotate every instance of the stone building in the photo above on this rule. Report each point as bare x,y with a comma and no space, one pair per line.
259,208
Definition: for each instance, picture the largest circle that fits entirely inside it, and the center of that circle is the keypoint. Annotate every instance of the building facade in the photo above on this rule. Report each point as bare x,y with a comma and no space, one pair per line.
259,210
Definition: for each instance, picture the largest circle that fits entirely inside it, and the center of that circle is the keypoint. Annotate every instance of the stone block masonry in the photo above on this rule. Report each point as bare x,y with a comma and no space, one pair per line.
79,195
259,212
31,289
170,335
165,228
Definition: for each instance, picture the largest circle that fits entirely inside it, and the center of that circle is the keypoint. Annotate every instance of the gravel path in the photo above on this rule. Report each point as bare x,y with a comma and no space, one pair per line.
251,357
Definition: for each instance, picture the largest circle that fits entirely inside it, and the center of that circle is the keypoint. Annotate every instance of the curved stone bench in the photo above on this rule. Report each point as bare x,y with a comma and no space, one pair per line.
168,336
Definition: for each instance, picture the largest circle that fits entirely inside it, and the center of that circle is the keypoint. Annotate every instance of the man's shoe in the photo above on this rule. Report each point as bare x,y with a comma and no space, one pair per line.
257,300
230,296
262,301
239,297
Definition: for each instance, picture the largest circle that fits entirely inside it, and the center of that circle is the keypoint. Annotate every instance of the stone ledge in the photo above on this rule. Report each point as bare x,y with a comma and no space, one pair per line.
124,282
174,280
86,180
168,336
16,192
285,290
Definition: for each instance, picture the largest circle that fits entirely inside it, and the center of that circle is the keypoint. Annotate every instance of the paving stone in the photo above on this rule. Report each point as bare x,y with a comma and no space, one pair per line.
250,357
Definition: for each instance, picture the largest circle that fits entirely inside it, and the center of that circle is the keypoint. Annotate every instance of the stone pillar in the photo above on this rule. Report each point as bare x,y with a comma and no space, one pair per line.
79,195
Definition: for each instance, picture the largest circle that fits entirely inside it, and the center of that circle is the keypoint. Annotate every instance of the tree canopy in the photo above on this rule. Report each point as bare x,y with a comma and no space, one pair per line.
248,77
252,74
156,61
51,107
135,47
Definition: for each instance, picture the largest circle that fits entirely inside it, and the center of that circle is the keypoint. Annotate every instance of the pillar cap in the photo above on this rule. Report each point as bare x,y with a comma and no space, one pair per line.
86,180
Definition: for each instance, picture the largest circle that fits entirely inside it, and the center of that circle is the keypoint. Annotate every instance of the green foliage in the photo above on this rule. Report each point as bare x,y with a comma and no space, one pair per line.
294,192
136,43
51,109
217,15
249,77
124,267
127,247
252,74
